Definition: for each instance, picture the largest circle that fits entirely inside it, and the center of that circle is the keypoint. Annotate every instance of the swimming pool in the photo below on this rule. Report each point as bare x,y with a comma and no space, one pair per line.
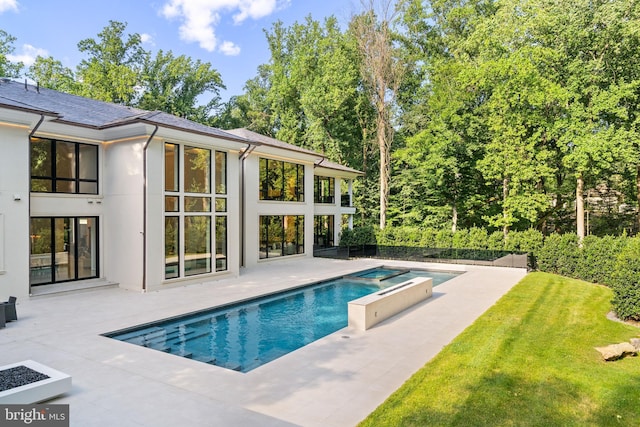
247,335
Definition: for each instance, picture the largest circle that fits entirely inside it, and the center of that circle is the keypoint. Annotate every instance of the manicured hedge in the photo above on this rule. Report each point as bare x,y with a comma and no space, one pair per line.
626,281
610,260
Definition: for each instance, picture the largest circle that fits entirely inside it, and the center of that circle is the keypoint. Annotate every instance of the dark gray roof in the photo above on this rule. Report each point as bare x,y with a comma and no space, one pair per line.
85,112
265,140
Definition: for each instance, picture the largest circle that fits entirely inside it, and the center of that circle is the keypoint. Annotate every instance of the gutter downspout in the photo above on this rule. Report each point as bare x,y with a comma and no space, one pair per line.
243,156
33,131
144,209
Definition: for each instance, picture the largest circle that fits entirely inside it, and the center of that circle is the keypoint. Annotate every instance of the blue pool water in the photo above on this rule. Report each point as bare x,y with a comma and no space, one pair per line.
244,336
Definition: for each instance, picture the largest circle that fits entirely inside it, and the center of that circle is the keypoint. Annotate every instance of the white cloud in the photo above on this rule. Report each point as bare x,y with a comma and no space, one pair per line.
229,48
8,5
147,38
200,18
28,55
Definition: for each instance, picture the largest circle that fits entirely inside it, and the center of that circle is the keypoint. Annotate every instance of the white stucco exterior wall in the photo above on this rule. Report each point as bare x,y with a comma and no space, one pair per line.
254,208
14,213
155,215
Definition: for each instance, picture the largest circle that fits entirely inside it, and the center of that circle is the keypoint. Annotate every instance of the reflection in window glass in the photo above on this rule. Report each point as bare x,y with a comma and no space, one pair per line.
63,167
64,186
88,163
197,170
323,231
281,235
221,205
171,203
65,160
40,260
63,249
171,167
171,242
324,189
221,243
190,232
281,181
87,250
41,157
221,172
197,245
197,204
88,187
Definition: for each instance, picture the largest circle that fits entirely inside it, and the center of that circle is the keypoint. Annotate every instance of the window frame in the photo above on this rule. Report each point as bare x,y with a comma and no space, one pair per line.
53,178
272,171
185,205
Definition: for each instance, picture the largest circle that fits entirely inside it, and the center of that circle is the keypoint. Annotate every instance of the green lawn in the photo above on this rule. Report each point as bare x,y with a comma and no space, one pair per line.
528,361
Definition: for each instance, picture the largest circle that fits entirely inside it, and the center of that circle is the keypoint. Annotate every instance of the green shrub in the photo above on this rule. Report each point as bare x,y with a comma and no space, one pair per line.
559,254
460,239
428,239
444,239
626,281
598,258
495,241
530,240
478,238
365,235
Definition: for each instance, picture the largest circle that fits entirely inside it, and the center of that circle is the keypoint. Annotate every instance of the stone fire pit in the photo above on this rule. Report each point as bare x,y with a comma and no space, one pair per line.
29,382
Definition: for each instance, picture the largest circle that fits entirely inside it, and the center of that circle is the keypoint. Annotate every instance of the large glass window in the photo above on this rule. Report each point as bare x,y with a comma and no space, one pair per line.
197,245
282,181
195,223
63,249
221,243
63,167
324,189
171,247
281,235
323,230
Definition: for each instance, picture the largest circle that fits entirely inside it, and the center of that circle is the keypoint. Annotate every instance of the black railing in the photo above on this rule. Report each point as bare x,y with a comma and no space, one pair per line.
441,255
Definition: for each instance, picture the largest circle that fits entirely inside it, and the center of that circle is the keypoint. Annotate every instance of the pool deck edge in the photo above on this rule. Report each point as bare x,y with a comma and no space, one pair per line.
336,381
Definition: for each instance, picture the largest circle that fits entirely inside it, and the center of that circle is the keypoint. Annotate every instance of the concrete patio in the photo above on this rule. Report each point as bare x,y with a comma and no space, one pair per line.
335,381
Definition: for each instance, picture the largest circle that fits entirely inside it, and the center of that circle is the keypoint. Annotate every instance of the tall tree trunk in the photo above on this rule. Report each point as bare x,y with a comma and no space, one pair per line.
505,194
383,146
580,207
454,218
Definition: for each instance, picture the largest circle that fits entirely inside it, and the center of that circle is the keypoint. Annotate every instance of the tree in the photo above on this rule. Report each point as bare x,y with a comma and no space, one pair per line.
8,68
382,71
50,73
174,85
112,73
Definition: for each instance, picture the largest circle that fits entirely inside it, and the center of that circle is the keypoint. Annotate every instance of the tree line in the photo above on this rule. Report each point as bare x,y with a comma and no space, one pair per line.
501,114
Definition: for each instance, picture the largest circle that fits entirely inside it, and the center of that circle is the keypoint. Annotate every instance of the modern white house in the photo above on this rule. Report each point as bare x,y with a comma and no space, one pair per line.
93,193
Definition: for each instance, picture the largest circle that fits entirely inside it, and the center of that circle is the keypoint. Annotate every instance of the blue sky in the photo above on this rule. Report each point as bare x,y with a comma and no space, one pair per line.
226,33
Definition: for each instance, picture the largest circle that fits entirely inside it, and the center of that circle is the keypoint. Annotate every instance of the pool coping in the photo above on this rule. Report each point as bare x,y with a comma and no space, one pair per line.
335,381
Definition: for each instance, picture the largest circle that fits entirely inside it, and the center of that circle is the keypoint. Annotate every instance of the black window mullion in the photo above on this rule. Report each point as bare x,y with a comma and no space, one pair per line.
54,168
76,227
283,180
52,229
77,169
282,235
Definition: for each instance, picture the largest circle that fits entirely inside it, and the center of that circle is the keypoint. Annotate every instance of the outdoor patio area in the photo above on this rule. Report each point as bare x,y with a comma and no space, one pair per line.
335,381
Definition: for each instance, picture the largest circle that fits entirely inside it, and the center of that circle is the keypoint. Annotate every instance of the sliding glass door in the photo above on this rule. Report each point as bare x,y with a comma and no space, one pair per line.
63,249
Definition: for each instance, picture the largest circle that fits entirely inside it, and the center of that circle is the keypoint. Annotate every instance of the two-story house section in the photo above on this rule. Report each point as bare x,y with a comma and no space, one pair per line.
94,193
285,212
